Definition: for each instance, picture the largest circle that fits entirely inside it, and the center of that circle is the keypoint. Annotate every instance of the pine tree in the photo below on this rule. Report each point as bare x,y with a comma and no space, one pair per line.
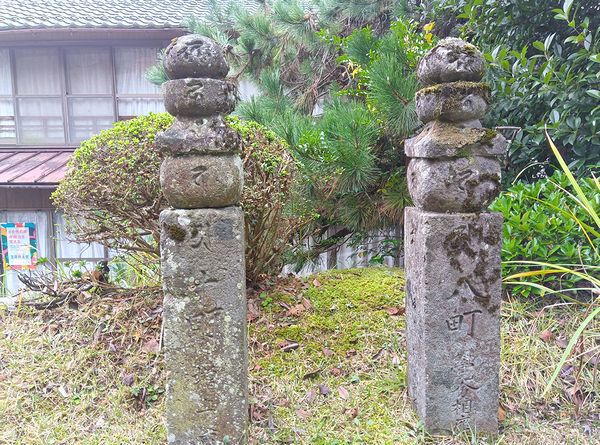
337,83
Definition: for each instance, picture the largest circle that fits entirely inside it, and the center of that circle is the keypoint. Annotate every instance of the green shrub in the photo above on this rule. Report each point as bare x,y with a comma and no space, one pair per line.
544,62
111,193
541,224
270,221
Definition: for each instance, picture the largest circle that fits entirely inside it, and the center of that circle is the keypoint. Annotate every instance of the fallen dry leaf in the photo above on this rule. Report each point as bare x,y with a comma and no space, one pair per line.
546,335
336,372
52,329
327,352
128,379
395,310
344,394
296,310
150,347
561,342
307,304
323,389
303,414
257,412
352,413
576,395
316,283
501,414
310,396
253,310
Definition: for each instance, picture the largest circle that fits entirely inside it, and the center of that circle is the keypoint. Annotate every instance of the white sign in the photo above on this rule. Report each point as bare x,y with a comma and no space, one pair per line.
18,246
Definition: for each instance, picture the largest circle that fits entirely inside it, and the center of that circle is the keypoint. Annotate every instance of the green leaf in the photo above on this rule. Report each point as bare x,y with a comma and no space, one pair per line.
548,41
570,347
538,45
567,6
594,93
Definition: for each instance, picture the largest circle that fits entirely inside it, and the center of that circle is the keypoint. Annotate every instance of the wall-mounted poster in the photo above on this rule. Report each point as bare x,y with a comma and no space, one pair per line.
19,245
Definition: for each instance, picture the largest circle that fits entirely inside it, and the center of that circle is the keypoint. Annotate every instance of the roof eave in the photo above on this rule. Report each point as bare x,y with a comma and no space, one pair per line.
18,36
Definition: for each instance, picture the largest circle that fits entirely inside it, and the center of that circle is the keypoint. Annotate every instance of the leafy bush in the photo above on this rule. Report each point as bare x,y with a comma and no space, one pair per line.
544,64
507,22
270,222
111,193
543,223
554,81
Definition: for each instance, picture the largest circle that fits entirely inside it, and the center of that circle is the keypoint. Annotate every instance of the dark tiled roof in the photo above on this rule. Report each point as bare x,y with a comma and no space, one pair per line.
33,167
118,14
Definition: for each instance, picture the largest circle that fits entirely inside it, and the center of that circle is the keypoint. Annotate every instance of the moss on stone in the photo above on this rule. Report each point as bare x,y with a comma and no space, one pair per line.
462,138
458,89
175,232
488,136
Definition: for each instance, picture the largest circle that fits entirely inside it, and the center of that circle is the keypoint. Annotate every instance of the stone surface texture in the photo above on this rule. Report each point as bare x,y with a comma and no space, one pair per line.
453,292
450,60
198,97
195,56
466,184
453,102
193,182
452,247
202,260
445,140
198,136
202,252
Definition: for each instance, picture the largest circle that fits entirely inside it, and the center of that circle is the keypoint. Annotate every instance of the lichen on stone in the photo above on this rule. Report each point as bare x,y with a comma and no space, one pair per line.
175,232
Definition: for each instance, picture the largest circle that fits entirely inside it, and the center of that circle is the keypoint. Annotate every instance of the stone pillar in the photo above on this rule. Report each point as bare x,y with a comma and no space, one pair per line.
202,251
453,276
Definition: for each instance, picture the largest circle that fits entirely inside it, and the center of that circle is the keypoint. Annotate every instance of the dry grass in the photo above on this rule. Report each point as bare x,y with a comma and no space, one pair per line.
65,375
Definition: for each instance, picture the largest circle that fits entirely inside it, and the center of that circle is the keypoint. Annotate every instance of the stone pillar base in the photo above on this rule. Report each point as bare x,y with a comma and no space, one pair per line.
202,255
453,295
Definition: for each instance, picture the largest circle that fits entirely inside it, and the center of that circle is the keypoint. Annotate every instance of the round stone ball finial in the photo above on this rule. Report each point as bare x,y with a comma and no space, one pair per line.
451,60
195,56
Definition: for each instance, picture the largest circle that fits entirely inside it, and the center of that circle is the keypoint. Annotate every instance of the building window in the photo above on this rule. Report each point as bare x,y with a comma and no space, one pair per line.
62,96
135,95
8,128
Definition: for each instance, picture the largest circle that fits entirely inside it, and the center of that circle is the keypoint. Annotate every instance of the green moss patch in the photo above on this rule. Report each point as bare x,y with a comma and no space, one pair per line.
344,382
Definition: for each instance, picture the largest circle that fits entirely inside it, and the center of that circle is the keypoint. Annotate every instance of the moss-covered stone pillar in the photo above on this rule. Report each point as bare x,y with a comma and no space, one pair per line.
452,243
202,251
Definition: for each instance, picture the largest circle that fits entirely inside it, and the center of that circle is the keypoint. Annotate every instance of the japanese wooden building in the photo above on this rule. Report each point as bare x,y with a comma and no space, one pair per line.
68,69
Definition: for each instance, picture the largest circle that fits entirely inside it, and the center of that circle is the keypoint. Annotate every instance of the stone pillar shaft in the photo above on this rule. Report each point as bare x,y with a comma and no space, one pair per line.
452,245
202,252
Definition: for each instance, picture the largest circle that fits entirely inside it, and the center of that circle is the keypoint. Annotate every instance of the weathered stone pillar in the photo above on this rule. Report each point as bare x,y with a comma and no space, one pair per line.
453,277
202,251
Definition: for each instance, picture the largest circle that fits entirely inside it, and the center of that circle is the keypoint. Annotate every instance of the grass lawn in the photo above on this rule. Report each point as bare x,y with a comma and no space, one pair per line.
328,367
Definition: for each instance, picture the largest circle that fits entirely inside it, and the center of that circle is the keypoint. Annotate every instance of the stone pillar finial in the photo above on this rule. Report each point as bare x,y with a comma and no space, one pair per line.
453,285
202,251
